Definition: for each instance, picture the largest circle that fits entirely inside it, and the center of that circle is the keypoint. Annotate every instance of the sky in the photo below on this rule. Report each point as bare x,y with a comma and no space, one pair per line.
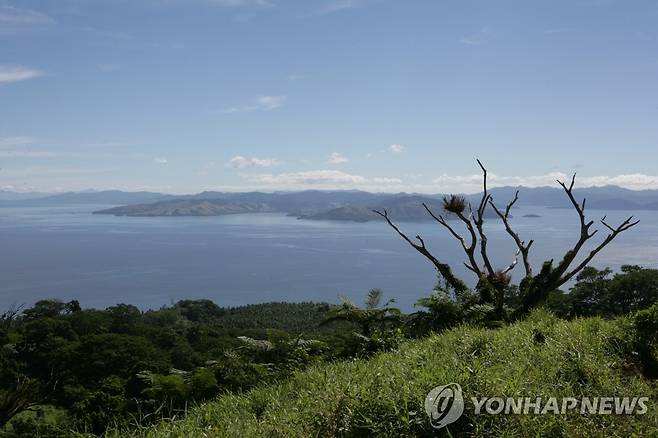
181,96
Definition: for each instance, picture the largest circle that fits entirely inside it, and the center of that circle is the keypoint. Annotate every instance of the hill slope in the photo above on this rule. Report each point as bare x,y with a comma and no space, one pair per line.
384,396
194,207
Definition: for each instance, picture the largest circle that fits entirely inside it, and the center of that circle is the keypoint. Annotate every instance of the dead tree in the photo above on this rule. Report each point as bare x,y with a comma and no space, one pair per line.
491,282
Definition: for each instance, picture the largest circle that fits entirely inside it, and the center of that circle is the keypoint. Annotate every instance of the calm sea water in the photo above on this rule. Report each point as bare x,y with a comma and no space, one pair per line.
68,253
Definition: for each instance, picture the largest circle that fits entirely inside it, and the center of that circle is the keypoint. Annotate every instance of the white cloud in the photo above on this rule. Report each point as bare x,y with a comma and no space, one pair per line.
337,158
160,160
261,103
270,102
17,73
240,162
11,142
635,181
311,177
473,183
397,148
336,180
321,179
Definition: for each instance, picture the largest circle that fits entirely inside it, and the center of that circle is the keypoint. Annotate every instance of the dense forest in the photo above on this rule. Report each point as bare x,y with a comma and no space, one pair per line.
65,369
87,368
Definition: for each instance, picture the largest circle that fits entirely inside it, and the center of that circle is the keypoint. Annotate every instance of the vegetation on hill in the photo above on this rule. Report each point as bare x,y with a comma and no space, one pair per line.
67,369
85,369
542,356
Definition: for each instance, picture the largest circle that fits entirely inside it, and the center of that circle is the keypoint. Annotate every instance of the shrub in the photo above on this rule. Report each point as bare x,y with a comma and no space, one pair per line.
646,342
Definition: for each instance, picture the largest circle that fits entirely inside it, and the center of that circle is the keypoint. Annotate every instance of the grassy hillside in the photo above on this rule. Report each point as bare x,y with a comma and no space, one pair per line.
384,396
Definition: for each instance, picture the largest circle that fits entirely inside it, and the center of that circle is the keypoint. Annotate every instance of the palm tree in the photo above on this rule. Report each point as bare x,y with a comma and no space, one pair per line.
373,315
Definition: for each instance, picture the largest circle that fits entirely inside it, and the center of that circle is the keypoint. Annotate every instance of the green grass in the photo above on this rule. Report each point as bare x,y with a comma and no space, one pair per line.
384,396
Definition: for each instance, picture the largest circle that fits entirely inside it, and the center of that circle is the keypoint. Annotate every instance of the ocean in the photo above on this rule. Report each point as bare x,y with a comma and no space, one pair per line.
65,252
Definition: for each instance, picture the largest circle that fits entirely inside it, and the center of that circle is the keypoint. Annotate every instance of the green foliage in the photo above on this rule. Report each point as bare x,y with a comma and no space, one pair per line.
44,421
199,310
203,383
64,369
378,341
384,396
598,292
235,373
292,317
171,388
378,323
113,354
445,308
646,325
119,365
534,291
99,407
51,309
646,339
373,316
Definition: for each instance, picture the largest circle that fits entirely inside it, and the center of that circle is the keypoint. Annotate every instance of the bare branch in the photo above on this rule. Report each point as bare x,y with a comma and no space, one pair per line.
562,274
523,248
514,262
606,225
511,204
585,234
484,172
628,223
404,236
443,222
479,221
469,249
444,269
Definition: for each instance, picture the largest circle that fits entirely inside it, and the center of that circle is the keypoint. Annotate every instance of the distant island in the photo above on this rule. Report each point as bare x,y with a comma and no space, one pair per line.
337,205
303,205
191,207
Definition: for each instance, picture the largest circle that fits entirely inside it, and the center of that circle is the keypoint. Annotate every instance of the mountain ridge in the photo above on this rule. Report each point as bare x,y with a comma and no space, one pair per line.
338,205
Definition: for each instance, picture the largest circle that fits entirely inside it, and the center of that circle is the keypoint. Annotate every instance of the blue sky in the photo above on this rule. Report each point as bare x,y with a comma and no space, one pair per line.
382,95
